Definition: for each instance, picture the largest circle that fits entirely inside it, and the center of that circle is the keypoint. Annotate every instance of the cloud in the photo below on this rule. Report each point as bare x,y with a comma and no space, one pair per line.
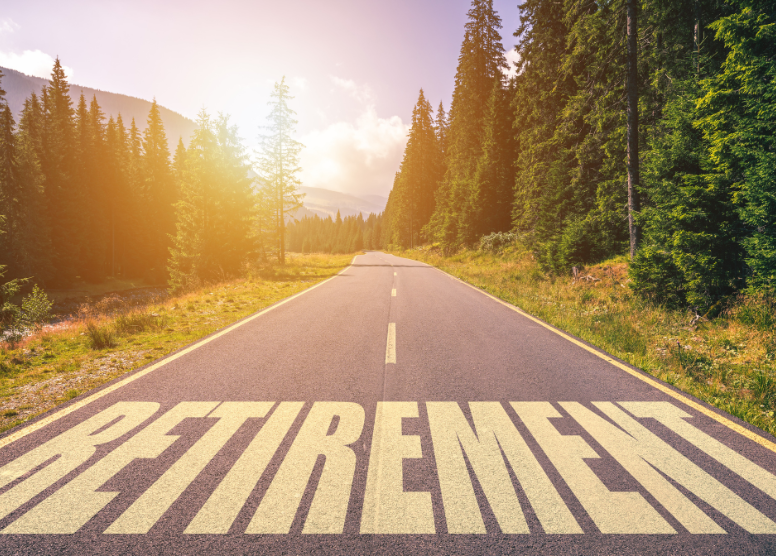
356,158
362,93
32,62
8,25
512,57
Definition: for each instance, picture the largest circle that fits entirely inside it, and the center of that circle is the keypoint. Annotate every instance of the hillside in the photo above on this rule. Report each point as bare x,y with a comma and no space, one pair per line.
19,86
325,202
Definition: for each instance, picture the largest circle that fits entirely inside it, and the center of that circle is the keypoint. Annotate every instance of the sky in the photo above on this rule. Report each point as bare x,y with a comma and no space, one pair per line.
355,67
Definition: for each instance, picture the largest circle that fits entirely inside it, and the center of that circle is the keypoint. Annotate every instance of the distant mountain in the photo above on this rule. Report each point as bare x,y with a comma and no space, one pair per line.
19,86
376,199
325,202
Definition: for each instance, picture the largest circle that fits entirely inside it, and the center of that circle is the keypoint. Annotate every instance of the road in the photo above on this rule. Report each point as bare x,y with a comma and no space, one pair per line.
390,409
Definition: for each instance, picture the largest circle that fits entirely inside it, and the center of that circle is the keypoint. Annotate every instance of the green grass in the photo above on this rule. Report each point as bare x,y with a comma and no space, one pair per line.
728,361
58,365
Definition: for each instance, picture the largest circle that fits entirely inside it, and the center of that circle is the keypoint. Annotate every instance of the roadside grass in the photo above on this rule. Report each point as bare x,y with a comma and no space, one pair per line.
111,338
728,360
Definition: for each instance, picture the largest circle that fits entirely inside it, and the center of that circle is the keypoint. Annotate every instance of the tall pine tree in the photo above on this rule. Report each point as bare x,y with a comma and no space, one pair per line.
277,162
480,62
64,195
412,201
158,187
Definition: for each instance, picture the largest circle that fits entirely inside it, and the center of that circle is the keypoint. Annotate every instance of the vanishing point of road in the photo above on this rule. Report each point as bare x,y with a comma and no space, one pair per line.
391,409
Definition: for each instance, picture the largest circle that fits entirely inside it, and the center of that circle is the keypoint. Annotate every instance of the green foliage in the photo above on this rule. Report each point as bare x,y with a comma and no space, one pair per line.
9,311
707,111
35,308
84,199
411,201
214,215
16,320
497,241
458,202
738,119
135,322
324,235
656,277
757,310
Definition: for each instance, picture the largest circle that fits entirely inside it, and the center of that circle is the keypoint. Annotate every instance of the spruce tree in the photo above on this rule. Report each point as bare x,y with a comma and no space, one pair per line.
159,196
277,161
179,163
35,255
64,195
213,217
136,256
441,126
481,61
25,249
494,176
9,180
738,119
93,165
412,202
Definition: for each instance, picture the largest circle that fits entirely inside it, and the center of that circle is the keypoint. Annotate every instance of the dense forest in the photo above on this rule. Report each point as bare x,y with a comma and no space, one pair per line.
645,126
324,235
82,198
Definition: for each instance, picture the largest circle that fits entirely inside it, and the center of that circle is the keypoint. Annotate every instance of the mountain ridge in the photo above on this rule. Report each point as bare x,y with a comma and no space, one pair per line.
18,87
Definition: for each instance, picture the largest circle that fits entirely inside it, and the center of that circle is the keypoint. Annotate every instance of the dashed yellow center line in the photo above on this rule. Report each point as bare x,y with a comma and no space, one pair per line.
393,292
390,346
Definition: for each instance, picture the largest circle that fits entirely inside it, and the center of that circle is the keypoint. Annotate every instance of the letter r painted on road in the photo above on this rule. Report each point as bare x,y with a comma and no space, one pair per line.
329,507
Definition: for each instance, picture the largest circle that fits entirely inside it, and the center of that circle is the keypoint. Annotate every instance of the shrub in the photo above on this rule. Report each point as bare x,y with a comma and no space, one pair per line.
656,277
583,241
496,241
100,337
757,310
15,320
36,308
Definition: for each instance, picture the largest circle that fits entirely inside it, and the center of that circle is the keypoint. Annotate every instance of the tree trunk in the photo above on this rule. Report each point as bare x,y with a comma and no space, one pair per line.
281,186
632,93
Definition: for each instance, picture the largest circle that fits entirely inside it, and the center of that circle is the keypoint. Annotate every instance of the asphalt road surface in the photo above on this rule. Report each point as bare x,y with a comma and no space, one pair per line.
390,409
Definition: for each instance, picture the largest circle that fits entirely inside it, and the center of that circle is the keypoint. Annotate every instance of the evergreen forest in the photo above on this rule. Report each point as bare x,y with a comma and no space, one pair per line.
85,197
327,235
641,128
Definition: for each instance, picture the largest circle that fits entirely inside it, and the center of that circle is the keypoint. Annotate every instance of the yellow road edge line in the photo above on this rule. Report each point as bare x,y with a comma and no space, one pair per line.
37,425
743,431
